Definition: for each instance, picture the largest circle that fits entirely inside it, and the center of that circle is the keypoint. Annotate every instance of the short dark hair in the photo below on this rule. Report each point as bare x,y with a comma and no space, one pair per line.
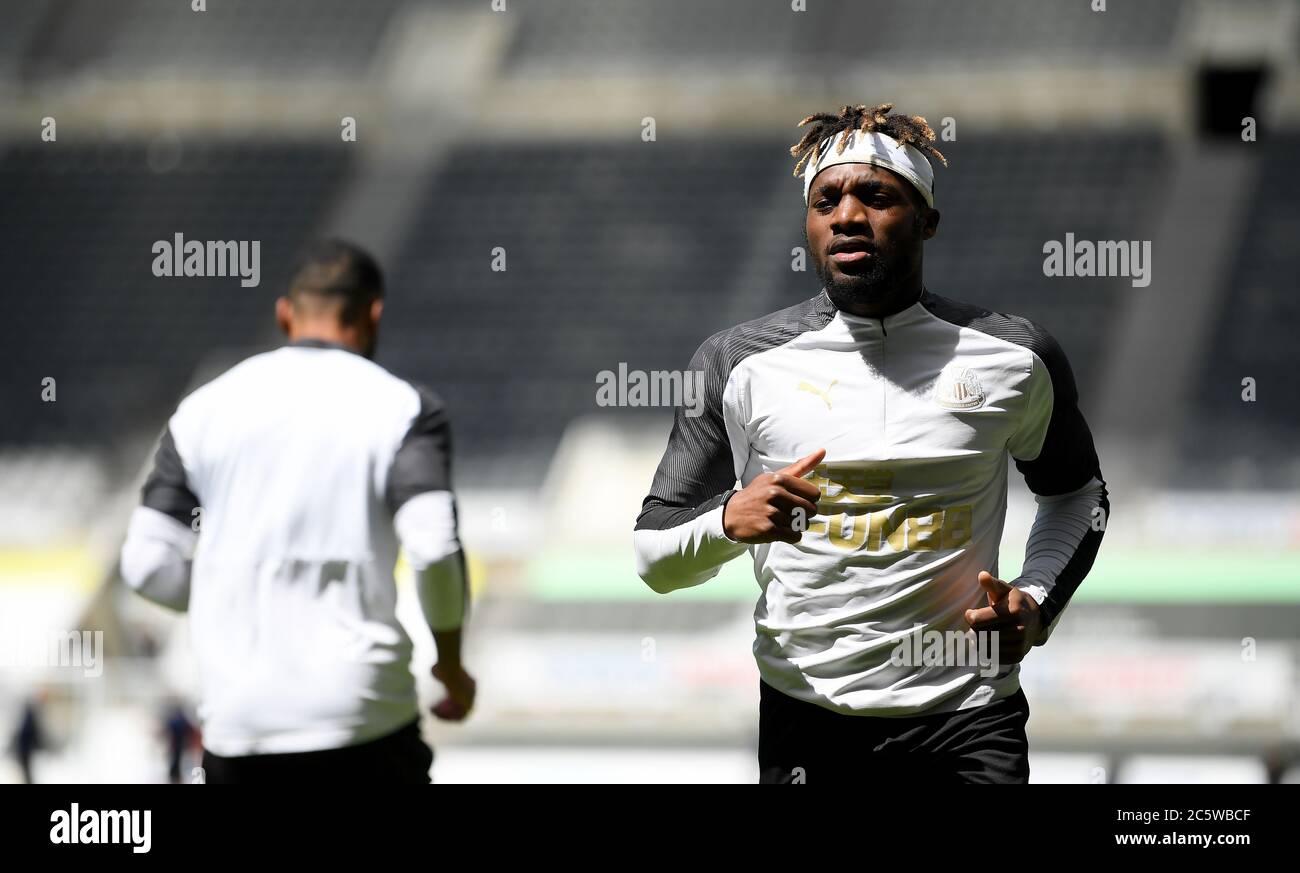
338,273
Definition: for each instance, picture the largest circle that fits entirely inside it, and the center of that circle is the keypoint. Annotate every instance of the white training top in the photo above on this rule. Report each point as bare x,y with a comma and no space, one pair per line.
298,467
918,413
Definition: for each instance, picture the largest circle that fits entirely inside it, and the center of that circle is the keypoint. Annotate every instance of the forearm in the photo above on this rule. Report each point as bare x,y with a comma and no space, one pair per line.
157,556
443,593
683,548
1062,545
448,644
426,527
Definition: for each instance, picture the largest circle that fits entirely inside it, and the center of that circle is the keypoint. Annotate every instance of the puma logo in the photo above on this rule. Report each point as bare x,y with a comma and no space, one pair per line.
824,395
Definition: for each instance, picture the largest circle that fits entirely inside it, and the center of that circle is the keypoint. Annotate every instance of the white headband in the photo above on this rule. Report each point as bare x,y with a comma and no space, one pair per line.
873,148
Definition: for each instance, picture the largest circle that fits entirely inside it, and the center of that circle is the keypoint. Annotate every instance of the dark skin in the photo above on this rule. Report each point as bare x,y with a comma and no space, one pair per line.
321,320
866,227
1011,614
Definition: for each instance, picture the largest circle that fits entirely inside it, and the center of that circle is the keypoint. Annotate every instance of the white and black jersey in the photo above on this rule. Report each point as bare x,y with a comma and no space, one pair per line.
918,413
274,512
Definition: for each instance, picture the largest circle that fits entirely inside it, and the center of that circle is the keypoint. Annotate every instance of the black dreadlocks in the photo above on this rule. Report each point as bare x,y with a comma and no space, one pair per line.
910,130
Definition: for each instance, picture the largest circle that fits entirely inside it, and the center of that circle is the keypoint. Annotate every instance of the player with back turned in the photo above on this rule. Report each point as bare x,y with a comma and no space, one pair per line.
307,467
869,428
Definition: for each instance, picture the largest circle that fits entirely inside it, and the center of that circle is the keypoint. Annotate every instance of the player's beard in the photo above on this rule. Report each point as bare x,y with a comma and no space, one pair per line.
876,282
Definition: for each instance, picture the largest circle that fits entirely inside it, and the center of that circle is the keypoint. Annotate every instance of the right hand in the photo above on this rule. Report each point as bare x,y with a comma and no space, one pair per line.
461,689
764,511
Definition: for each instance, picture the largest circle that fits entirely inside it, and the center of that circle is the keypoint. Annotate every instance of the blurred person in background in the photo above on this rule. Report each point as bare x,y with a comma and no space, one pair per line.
279,496
869,428
29,738
179,734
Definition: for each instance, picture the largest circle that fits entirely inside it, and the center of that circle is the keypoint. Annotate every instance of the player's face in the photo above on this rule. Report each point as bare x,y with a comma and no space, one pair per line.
865,227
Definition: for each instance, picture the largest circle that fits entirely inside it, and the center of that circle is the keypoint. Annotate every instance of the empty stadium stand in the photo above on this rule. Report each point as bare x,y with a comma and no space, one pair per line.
1231,442
82,300
705,32
231,39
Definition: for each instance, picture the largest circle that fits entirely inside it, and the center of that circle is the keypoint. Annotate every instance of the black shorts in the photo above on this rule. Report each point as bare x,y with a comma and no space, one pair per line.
802,742
400,758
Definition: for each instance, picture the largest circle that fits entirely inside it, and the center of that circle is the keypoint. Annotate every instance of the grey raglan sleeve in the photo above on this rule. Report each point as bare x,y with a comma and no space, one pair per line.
420,496
1054,450
158,552
678,538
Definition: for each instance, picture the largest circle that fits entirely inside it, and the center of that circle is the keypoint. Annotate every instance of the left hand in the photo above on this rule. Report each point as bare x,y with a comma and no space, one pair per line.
461,690
1012,613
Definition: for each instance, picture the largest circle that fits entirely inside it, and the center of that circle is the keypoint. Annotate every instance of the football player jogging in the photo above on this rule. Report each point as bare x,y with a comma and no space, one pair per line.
302,470
869,429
